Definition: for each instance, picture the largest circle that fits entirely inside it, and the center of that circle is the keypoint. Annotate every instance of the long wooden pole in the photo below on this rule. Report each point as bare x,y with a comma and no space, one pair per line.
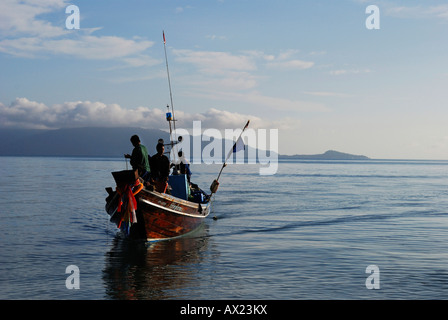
230,153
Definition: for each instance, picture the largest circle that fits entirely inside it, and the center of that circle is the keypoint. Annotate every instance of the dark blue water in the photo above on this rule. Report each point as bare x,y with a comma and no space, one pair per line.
308,232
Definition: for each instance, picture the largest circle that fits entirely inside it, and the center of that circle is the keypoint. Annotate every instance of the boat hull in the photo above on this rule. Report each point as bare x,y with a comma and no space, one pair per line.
167,217
161,216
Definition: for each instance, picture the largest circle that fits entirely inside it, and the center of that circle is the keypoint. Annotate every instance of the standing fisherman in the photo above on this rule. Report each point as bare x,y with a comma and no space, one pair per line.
139,158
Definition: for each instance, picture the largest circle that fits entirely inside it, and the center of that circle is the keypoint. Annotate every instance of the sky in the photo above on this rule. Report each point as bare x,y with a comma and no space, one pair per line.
314,70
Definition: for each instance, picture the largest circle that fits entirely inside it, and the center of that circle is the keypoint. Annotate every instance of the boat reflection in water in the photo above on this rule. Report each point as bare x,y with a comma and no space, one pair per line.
152,271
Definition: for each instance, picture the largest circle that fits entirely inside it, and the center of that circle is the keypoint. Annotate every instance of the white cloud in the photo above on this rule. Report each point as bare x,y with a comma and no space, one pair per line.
223,70
142,60
91,47
85,47
292,64
257,54
276,103
26,35
182,9
286,60
223,76
21,17
30,114
23,113
328,94
260,100
349,71
221,119
217,62
215,37
213,61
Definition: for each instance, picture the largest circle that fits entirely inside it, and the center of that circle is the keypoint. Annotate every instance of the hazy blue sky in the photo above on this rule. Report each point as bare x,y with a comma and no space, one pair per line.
311,69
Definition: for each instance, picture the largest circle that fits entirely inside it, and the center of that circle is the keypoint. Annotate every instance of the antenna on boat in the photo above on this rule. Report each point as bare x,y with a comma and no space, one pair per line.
170,115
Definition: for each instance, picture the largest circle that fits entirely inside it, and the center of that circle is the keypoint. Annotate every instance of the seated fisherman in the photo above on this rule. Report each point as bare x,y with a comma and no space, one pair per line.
160,169
139,158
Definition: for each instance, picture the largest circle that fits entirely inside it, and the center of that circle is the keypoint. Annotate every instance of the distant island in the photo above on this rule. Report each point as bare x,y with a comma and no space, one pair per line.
329,155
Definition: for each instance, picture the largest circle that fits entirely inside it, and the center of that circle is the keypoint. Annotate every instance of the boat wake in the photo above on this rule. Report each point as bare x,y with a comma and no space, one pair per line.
350,219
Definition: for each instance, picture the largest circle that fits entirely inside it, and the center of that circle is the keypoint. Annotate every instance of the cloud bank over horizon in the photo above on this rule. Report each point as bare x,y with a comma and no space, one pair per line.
26,114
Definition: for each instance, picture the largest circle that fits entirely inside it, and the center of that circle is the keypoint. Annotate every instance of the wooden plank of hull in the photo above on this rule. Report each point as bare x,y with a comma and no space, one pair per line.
167,217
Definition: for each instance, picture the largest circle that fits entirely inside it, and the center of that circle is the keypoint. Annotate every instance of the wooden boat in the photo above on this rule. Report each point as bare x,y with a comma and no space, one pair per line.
142,213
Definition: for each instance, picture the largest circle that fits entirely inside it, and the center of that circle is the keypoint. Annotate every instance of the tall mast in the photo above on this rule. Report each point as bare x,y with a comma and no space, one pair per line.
173,118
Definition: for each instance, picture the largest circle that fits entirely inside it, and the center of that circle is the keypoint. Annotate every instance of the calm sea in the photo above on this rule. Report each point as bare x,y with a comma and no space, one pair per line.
308,232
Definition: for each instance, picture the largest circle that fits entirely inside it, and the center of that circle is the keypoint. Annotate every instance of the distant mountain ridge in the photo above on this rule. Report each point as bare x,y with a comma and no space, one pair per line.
83,142
105,142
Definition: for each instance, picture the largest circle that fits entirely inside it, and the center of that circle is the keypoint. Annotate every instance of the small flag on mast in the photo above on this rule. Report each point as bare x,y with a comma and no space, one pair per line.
239,145
164,41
